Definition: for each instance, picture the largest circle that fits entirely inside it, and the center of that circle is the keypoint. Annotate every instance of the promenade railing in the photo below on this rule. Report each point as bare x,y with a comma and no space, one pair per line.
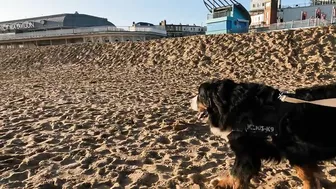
85,30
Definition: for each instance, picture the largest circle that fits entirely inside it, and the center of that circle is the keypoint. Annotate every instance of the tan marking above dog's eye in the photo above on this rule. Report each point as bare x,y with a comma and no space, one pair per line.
201,106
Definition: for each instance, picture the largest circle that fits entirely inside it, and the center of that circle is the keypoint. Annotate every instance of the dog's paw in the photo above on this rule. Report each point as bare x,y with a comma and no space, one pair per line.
227,182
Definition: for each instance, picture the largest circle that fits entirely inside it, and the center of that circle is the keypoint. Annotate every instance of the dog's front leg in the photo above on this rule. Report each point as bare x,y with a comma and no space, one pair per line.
247,164
308,173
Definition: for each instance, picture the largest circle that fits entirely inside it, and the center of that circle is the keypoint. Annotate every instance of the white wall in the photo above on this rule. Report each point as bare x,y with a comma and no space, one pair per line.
257,19
294,13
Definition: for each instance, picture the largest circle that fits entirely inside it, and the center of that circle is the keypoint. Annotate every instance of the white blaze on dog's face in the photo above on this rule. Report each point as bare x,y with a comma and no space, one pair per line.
193,103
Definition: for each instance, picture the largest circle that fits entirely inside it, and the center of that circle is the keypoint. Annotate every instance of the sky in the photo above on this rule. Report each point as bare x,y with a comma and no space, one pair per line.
119,12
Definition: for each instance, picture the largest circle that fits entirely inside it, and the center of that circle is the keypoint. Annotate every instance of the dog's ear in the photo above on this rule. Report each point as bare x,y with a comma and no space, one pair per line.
222,97
224,91
216,92
219,92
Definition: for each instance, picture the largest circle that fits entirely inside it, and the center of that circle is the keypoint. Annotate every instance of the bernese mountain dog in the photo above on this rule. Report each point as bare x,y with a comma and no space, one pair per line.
259,126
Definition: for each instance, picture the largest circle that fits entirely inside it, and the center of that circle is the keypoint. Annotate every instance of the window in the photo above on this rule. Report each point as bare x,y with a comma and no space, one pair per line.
253,5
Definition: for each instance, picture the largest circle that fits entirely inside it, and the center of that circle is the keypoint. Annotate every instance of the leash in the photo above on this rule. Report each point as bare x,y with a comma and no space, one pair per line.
330,102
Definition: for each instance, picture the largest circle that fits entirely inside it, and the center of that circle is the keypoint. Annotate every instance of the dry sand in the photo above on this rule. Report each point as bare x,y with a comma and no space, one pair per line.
117,115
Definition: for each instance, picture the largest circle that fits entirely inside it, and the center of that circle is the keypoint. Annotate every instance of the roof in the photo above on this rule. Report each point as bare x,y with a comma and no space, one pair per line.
46,17
144,24
56,21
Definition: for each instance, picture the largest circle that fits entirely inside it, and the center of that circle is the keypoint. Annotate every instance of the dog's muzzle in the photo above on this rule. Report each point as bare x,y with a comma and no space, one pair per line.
194,106
202,115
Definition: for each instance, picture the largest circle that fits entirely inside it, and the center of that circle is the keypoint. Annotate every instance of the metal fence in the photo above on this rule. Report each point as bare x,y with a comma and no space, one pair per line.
300,24
312,3
309,23
89,30
296,5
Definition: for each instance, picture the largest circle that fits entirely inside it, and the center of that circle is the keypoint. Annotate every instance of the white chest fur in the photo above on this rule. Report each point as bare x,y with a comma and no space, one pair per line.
217,132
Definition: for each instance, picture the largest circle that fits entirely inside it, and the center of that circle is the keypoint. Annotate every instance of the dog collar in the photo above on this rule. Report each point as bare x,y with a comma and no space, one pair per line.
261,130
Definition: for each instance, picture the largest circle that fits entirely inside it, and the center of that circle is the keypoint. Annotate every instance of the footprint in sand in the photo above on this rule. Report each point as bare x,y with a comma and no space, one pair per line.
10,160
9,135
16,176
34,160
140,178
67,160
16,142
163,168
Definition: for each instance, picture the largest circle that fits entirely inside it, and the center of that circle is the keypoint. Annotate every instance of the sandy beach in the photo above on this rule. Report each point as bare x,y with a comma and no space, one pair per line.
117,115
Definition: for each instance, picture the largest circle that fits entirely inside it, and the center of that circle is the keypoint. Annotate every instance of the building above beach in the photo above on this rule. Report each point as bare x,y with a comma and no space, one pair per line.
181,30
72,28
227,16
53,22
261,9
316,10
275,16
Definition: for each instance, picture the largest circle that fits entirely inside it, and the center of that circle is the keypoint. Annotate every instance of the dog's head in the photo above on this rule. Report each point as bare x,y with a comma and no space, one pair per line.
213,102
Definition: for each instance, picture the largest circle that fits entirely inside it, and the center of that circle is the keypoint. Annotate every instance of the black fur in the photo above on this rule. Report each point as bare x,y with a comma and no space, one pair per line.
305,133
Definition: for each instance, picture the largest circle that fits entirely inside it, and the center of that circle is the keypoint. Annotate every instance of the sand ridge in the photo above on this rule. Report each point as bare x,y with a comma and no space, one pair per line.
117,115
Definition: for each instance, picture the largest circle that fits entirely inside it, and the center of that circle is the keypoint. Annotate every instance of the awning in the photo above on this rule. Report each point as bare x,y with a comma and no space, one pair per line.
242,20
